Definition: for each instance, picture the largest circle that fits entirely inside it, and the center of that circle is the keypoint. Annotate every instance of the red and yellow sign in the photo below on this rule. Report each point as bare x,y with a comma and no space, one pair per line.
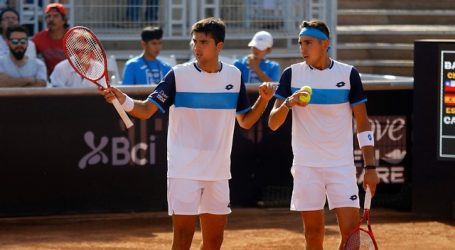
449,100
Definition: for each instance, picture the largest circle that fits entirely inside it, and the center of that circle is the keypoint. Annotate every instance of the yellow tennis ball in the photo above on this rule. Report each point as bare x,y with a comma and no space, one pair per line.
307,89
306,98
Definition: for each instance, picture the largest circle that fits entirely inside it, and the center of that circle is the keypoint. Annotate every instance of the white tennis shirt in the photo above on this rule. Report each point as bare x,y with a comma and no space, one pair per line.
322,132
202,112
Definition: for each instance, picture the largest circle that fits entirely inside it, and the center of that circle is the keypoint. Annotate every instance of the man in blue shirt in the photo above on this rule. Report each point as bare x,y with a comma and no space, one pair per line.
146,68
254,67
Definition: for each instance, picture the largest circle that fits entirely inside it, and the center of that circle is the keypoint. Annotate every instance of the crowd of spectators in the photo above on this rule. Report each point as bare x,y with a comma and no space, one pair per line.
46,48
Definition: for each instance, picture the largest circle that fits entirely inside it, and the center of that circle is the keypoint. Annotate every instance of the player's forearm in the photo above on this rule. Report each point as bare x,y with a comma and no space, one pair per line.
250,118
278,115
368,156
143,109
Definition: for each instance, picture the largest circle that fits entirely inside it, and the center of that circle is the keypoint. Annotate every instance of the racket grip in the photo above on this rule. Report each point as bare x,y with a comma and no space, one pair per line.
367,203
122,113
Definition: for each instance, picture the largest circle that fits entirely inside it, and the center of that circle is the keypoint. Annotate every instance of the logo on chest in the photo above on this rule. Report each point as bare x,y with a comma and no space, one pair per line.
229,87
340,84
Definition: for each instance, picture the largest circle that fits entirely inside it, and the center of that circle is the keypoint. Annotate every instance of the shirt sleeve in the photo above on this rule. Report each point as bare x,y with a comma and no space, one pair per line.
31,49
238,64
42,72
56,78
2,66
164,94
243,103
166,69
128,74
284,88
356,93
275,72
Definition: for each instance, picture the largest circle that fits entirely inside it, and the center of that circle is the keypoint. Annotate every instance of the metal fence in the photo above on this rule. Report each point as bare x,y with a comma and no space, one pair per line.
118,20
114,19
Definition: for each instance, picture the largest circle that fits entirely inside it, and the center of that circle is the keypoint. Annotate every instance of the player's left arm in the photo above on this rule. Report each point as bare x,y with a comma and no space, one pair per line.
363,126
248,119
365,137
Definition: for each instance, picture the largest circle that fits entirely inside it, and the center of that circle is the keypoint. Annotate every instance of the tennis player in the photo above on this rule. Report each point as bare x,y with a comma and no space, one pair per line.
204,98
322,135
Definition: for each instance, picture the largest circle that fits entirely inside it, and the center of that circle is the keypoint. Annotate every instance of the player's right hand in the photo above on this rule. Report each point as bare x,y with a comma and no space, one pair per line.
266,90
111,93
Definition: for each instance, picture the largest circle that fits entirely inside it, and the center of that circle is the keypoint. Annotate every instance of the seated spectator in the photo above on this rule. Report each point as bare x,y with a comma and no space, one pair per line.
64,75
49,43
146,68
17,70
254,67
9,18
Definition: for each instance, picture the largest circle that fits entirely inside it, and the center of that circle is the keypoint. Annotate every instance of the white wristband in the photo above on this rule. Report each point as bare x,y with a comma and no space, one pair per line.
128,104
365,138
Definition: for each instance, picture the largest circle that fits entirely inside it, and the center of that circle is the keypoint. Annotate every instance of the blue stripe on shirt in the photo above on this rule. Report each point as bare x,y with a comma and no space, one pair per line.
328,96
206,100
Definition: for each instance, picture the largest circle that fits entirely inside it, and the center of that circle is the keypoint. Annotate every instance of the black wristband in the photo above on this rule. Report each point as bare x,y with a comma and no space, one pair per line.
369,167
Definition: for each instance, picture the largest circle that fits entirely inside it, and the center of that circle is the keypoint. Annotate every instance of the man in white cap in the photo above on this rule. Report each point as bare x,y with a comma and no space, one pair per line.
254,67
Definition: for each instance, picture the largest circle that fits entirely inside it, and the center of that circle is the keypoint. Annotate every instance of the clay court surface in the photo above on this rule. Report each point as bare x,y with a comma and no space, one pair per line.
247,229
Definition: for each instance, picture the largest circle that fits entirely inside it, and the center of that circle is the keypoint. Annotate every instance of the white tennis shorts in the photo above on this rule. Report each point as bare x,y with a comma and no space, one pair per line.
192,197
313,184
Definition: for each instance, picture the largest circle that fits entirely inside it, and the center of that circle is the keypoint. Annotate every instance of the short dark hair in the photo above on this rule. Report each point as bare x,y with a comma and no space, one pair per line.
317,24
9,10
17,28
150,33
210,26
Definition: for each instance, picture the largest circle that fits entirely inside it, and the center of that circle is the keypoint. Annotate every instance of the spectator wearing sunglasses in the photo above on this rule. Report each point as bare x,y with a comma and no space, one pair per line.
17,70
9,18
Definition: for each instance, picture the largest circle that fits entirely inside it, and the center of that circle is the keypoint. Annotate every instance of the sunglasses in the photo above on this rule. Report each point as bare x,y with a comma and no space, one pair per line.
22,41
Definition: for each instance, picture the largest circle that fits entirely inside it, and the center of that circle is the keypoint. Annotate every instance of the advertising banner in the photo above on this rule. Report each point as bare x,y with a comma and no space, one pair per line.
446,140
390,149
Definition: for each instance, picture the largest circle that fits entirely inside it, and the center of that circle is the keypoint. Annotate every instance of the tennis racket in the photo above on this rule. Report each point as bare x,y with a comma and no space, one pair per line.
86,55
362,239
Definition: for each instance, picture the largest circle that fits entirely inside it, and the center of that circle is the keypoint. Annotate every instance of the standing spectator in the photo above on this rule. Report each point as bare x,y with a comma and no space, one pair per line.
254,67
9,18
17,70
49,43
204,99
146,68
322,131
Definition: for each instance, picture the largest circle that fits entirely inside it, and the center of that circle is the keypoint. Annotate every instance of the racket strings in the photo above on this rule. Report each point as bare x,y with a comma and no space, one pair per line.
359,240
85,54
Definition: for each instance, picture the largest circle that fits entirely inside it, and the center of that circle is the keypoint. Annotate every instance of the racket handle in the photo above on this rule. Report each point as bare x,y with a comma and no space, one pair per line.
122,113
367,203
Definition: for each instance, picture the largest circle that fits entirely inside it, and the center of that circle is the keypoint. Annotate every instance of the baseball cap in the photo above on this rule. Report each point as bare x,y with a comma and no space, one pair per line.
60,8
261,40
